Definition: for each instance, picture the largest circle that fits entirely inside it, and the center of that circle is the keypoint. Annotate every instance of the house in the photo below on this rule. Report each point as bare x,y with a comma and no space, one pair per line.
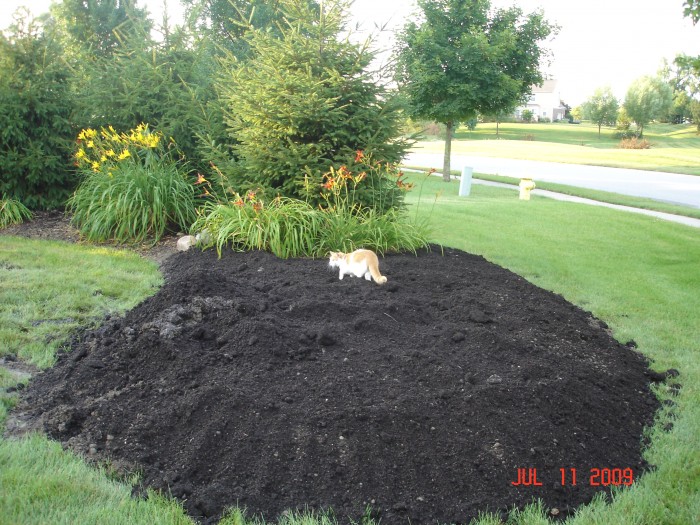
544,102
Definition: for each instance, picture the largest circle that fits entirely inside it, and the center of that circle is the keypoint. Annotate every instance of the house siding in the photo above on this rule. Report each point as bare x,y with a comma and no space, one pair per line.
544,102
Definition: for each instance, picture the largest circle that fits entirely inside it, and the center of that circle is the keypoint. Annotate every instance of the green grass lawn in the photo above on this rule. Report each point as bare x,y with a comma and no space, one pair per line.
638,274
68,286
675,148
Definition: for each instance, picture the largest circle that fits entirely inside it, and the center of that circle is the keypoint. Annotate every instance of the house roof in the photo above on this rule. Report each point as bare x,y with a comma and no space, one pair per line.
548,86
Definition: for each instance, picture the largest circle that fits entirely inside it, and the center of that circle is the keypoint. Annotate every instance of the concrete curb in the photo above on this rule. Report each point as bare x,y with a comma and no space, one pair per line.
688,221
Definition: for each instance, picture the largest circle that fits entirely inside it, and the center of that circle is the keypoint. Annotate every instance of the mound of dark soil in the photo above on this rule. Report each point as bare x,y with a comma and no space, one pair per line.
271,384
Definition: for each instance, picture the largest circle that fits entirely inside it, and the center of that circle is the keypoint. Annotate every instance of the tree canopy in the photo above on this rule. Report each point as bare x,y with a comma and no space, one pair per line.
692,10
37,103
462,60
648,98
101,25
230,20
602,107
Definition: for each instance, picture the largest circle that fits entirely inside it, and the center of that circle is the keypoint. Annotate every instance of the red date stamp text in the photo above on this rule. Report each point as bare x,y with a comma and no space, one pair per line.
595,477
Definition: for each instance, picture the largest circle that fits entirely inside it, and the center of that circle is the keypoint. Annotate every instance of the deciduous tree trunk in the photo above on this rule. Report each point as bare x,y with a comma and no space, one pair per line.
448,151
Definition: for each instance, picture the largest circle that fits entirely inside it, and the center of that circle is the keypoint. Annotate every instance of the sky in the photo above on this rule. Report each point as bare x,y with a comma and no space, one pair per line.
600,42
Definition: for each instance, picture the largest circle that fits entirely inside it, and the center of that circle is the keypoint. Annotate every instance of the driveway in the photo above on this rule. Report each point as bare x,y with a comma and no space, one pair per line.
668,187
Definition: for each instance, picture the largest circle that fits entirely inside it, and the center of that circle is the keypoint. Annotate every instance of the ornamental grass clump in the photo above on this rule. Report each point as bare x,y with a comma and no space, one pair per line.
132,188
290,227
283,226
12,212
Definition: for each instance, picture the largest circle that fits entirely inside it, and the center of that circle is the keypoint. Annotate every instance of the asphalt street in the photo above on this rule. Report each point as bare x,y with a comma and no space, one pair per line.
668,187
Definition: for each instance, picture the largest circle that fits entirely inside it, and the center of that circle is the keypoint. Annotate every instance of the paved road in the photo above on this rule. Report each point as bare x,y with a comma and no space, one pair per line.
688,221
669,187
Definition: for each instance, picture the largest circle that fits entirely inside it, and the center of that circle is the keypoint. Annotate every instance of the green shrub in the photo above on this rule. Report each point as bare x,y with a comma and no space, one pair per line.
290,227
527,115
35,131
12,212
305,101
286,227
132,188
392,231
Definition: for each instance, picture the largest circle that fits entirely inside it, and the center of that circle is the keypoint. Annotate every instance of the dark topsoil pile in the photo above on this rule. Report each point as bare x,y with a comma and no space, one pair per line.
271,384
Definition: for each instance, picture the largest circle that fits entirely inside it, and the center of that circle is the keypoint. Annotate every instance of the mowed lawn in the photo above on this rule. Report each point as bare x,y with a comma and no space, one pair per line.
638,274
674,148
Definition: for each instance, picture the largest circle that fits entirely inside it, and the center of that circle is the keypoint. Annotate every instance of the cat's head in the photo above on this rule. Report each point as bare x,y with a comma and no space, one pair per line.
335,258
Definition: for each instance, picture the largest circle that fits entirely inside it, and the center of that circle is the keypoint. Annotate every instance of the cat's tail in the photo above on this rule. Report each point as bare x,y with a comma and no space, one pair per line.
373,267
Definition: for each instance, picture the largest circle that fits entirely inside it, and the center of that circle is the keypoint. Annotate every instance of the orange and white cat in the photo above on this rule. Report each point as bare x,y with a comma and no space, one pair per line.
358,263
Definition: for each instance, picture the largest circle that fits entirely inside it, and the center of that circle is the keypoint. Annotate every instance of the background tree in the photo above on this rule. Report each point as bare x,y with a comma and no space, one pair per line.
648,98
567,109
101,25
624,123
461,61
692,10
683,75
164,84
305,102
37,102
229,21
577,114
601,108
695,113
502,116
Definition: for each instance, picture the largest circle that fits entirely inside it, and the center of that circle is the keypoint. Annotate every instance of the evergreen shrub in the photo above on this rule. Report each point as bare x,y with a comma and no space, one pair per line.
304,101
35,129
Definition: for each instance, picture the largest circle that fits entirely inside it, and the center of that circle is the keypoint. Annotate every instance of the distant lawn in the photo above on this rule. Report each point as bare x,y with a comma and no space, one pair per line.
675,148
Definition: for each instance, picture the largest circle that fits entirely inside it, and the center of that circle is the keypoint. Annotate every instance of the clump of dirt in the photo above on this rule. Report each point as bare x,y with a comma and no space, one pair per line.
270,384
